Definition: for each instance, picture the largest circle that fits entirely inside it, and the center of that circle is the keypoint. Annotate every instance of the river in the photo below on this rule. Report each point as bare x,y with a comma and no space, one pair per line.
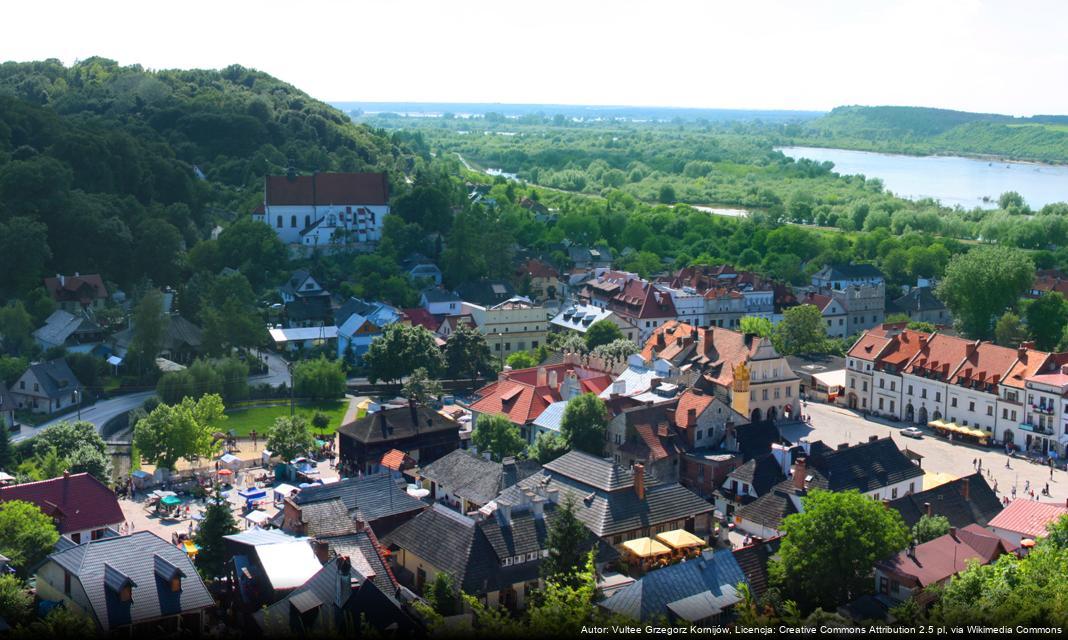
950,179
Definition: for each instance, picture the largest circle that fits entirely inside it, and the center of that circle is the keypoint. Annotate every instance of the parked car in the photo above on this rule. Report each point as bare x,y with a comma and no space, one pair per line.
912,432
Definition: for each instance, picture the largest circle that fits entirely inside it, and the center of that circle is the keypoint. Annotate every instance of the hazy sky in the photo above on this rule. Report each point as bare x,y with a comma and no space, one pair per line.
978,55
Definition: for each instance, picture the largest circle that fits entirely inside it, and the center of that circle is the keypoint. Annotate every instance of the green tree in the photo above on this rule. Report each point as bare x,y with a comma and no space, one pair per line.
442,595
801,331
756,326
568,342
569,543
548,447
666,194
320,379
149,329
290,437
401,349
1009,330
79,446
16,329
828,549
16,603
466,352
320,421
585,423
497,434
253,248
521,360
618,350
61,623
982,284
229,315
928,528
602,332
1047,318
421,389
26,534
183,430
1028,591
218,522
566,605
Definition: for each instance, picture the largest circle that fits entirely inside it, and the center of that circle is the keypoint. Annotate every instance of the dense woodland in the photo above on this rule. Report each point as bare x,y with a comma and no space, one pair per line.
922,131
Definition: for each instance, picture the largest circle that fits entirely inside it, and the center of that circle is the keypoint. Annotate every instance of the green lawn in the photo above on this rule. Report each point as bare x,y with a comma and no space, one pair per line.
243,421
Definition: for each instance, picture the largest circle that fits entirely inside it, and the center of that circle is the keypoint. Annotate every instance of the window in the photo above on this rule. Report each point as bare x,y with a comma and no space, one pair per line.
279,222
533,555
893,493
776,393
971,406
865,386
700,434
882,383
891,406
880,404
938,396
923,393
507,562
752,395
990,410
1005,414
892,385
36,387
953,402
789,392
764,394
910,389
293,221
852,383
76,537
22,384
518,559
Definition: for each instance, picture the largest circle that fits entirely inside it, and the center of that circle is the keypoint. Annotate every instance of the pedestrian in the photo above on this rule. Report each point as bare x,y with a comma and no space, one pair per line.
1046,490
974,461
980,464
1013,492
995,486
1027,485
1007,465
1033,495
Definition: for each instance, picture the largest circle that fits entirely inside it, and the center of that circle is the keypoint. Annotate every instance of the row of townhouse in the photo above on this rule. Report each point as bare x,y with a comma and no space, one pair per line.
1019,397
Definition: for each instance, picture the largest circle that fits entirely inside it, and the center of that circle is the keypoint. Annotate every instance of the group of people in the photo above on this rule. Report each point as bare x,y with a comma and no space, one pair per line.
1028,490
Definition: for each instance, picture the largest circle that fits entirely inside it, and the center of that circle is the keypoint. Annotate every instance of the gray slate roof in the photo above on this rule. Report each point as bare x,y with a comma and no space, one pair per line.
373,496
948,500
848,272
326,518
360,543
761,473
918,299
617,509
437,294
691,590
867,466
61,325
55,377
770,509
472,477
133,558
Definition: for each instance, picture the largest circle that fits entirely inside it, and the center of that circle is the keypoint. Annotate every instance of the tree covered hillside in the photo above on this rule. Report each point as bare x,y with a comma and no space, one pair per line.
920,130
121,170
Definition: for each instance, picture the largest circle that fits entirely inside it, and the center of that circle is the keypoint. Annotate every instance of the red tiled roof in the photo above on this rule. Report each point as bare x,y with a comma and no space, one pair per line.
394,459
691,399
328,188
1028,363
1051,280
869,346
987,364
902,348
945,556
671,330
941,354
655,428
420,316
80,288
537,269
77,502
1028,517
819,300
519,396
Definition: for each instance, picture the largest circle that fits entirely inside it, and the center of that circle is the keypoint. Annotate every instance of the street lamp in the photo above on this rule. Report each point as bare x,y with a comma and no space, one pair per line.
78,399
500,346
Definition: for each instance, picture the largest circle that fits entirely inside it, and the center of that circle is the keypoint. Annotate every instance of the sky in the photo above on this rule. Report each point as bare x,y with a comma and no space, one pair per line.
974,55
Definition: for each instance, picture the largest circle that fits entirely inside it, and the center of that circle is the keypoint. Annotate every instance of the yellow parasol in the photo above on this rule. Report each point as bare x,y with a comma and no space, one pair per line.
680,539
645,548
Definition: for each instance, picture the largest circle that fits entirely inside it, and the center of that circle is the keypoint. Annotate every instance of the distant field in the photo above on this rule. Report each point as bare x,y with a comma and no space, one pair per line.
261,418
1060,128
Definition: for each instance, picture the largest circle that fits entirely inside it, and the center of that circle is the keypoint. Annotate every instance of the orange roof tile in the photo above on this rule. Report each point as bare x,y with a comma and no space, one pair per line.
986,364
869,346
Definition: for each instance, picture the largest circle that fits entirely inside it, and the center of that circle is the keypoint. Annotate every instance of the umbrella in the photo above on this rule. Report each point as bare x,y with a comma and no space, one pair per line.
171,501
225,472
1027,543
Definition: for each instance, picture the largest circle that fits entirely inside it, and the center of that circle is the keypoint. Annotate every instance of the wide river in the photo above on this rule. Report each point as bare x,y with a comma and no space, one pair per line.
949,179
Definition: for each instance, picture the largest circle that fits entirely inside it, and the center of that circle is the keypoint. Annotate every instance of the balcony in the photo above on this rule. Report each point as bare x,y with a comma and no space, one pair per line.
1046,431
1043,409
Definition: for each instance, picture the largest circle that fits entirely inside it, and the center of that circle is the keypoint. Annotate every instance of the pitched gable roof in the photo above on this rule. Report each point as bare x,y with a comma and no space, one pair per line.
77,502
949,500
55,377
81,288
133,560
666,592
867,466
327,189
397,423
369,497
472,477
1027,517
936,560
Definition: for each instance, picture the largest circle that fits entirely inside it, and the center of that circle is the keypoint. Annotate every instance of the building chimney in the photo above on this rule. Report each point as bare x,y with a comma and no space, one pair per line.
928,510
639,480
971,348
966,489
504,514
542,378
654,383
552,379
661,343
843,446
502,376
691,417
872,438
538,508
321,550
953,532
799,474
619,387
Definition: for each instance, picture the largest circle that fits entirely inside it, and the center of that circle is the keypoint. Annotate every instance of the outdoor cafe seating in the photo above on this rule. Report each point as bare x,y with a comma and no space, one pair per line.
682,543
647,553
970,434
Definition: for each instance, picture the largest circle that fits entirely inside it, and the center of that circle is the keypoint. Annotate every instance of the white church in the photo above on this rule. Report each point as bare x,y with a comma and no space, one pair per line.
325,209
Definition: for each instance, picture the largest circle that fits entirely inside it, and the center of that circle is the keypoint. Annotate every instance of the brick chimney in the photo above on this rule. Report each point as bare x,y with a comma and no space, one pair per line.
966,489
691,417
799,474
843,446
927,509
639,480
542,377
953,533
661,343
321,550
872,438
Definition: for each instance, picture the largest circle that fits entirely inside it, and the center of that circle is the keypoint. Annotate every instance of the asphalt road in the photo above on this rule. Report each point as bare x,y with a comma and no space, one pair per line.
835,425
98,414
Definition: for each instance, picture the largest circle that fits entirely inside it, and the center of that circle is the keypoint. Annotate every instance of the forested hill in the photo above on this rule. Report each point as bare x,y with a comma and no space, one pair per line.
121,170
921,130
